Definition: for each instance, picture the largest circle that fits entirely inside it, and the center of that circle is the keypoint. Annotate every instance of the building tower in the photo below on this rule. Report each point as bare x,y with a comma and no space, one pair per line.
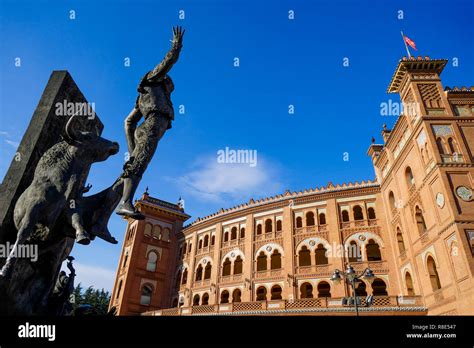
426,174
148,260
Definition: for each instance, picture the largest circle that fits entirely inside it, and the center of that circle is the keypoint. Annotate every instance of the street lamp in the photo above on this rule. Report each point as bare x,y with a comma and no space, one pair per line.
352,277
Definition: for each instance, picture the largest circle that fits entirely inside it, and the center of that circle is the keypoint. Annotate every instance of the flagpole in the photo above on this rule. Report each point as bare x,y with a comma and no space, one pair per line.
406,46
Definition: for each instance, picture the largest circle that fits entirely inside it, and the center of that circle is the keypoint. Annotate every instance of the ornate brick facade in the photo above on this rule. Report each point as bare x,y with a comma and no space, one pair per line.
413,226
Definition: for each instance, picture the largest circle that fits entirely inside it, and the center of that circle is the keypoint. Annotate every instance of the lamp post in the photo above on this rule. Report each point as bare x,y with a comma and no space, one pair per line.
351,277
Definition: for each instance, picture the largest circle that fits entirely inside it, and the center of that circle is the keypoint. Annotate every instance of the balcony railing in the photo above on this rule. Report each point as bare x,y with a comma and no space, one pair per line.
310,229
271,273
203,250
376,266
268,235
203,282
381,305
231,278
359,223
452,158
316,270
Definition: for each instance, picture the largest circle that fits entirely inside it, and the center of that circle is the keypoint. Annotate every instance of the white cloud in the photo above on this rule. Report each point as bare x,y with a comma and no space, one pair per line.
97,277
12,143
211,181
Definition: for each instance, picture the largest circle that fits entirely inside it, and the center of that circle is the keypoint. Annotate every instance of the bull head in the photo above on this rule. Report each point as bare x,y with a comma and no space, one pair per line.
89,144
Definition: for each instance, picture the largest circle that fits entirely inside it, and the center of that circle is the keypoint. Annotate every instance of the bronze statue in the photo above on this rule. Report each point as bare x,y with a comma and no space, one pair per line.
55,184
154,104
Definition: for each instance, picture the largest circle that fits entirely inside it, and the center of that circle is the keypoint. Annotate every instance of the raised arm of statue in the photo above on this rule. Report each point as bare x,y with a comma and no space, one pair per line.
171,57
130,125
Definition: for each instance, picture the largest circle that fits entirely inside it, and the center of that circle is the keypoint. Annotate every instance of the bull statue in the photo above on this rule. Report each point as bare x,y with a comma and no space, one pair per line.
56,183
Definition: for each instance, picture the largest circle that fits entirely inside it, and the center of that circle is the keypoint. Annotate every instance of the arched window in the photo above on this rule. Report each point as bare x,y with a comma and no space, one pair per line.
157,231
236,296
185,246
306,290
207,271
225,296
185,277
199,273
440,145
371,213
178,279
373,251
200,244
226,267
276,292
361,288
354,252
322,219
261,293
400,242
259,229
310,218
423,155
213,240
268,225
275,260
433,272
358,215
205,299
452,146
125,260
304,256
345,216
420,221
119,289
409,285
165,235
262,262
324,289
379,288
238,263
320,255
233,233
409,177
299,222
279,225
391,200
145,298
148,229
206,240
226,236
151,261
196,299
242,232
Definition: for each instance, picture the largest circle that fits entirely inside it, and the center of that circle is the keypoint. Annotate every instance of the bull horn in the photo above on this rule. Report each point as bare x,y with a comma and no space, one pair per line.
68,129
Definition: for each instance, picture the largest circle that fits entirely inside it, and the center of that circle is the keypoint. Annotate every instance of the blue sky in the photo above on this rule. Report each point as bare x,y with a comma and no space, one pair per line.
282,62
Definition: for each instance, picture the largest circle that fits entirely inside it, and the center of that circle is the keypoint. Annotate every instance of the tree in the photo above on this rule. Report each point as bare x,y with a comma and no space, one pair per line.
98,300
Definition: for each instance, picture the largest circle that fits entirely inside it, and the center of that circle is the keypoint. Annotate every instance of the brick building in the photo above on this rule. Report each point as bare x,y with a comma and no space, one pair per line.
413,227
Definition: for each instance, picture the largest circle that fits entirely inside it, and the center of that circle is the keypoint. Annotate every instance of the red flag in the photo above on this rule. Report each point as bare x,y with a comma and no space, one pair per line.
410,42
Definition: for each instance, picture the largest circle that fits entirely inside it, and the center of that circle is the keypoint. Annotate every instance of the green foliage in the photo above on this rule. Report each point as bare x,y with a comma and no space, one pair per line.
98,299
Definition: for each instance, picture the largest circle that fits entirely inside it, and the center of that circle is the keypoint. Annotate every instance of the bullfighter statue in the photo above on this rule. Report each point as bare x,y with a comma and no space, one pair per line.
154,105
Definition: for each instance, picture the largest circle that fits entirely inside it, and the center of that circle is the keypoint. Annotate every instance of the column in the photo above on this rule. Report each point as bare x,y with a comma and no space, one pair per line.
247,271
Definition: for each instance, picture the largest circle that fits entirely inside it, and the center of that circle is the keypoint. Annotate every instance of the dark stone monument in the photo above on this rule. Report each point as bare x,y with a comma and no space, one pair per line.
27,289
